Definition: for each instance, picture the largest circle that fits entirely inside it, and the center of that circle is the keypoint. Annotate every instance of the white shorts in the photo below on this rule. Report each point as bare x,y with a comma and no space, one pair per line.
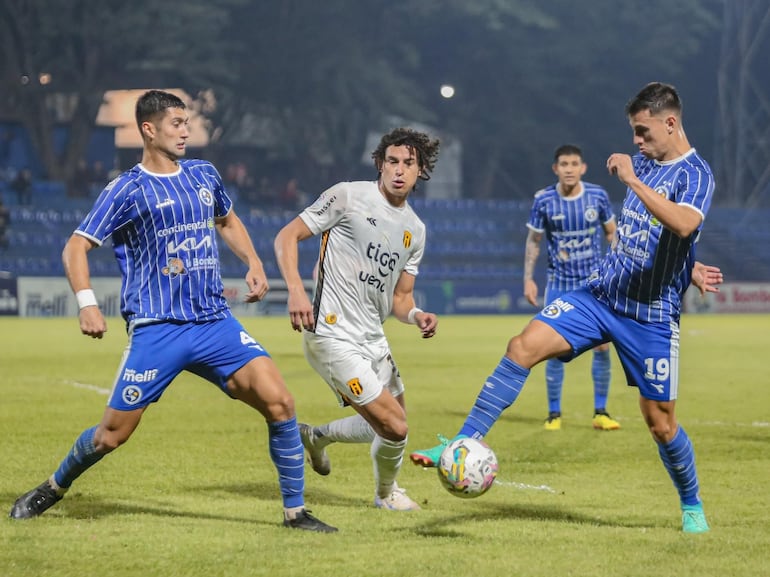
356,372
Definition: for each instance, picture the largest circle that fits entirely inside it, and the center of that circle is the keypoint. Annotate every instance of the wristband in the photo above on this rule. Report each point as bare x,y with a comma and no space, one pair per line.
86,298
412,314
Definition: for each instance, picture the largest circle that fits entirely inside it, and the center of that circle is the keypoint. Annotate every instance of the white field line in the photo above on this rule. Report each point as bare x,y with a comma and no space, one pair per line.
88,387
525,487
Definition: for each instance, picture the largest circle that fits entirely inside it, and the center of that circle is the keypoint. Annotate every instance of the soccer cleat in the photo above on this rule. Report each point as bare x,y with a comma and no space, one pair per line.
693,519
396,501
603,422
304,520
430,457
35,502
317,457
553,422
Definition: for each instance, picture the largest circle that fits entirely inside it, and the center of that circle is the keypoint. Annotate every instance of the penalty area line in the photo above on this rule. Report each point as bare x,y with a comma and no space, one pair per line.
526,487
88,387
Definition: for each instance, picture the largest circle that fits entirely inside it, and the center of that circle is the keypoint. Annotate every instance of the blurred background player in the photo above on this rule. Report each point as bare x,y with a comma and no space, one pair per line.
634,300
372,243
161,215
573,216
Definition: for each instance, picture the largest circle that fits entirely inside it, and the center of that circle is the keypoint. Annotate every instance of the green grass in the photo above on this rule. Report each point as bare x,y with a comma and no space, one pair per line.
194,493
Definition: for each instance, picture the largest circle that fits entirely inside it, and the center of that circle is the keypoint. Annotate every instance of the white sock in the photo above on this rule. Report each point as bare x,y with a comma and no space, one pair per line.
353,429
387,457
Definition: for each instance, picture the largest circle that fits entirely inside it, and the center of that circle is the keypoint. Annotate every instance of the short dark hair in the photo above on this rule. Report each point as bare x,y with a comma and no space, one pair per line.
425,148
154,102
567,150
655,97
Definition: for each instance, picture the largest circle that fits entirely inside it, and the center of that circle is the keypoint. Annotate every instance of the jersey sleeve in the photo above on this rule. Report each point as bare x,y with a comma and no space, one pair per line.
412,265
696,188
536,219
222,201
110,210
328,209
606,214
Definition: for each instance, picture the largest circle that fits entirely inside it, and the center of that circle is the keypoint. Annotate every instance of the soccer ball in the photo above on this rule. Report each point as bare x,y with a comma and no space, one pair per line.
467,468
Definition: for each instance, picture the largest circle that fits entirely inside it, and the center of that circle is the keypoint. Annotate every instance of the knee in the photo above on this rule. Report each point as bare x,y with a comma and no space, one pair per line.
280,407
106,441
662,432
395,430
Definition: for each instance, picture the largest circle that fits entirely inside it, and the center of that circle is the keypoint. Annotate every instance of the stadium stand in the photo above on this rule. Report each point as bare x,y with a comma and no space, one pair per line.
468,240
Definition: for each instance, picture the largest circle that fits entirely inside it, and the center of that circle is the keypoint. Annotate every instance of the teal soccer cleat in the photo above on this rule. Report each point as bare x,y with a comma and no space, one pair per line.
430,457
693,519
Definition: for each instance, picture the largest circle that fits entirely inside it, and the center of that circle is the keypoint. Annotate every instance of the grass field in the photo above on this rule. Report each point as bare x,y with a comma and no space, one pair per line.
195,494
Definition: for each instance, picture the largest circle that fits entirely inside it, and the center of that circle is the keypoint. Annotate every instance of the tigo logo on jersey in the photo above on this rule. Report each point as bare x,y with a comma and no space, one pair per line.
131,395
407,239
555,309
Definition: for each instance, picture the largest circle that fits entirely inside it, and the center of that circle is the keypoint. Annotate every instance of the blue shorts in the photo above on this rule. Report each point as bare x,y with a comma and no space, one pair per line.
156,353
648,352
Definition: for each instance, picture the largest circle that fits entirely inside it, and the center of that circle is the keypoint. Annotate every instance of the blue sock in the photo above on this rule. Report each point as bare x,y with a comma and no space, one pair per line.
679,460
554,377
600,371
497,394
287,454
81,456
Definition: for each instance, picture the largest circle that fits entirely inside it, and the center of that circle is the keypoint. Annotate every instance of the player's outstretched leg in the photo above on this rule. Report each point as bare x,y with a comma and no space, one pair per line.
498,393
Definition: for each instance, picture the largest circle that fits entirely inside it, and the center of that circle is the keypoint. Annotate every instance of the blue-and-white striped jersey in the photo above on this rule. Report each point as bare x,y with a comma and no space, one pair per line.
574,232
645,274
162,228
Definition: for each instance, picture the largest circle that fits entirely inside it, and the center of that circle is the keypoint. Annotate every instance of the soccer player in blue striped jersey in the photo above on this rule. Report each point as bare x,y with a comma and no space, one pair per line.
573,215
162,215
634,298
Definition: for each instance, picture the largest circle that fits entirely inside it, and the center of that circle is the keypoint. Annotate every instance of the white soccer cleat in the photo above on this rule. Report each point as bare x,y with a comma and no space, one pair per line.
396,501
317,457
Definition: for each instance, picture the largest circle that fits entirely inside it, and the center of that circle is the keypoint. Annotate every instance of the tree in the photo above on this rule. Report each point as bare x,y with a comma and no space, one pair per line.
58,59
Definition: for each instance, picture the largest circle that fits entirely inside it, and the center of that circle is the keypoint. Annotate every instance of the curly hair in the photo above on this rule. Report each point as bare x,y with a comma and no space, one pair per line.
425,148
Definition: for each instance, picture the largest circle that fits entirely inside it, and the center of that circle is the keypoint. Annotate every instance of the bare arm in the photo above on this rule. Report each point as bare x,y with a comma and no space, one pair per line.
403,303
237,238
531,252
287,256
75,261
679,219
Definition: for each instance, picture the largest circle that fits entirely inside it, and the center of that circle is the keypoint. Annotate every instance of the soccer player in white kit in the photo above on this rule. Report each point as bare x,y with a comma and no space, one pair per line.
371,246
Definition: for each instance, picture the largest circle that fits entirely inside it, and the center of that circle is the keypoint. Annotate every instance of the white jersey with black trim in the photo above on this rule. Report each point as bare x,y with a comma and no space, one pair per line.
365,245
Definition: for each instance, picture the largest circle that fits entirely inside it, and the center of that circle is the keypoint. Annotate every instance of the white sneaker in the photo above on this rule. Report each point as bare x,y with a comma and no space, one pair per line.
317,457
396,501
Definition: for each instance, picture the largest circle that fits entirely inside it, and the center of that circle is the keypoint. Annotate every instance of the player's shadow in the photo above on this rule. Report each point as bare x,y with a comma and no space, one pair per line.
452,525
77,505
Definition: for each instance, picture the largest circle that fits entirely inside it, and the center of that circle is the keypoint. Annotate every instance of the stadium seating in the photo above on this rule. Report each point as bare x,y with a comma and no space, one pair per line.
468,240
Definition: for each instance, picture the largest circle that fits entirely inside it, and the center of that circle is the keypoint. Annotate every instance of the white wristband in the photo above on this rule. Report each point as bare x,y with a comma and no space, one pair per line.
412,314
86,298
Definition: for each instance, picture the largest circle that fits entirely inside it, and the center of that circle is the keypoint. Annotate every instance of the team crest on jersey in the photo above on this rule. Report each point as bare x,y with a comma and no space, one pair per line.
591,214
407,239
131,394
205,195
555,309
174,268
355,386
